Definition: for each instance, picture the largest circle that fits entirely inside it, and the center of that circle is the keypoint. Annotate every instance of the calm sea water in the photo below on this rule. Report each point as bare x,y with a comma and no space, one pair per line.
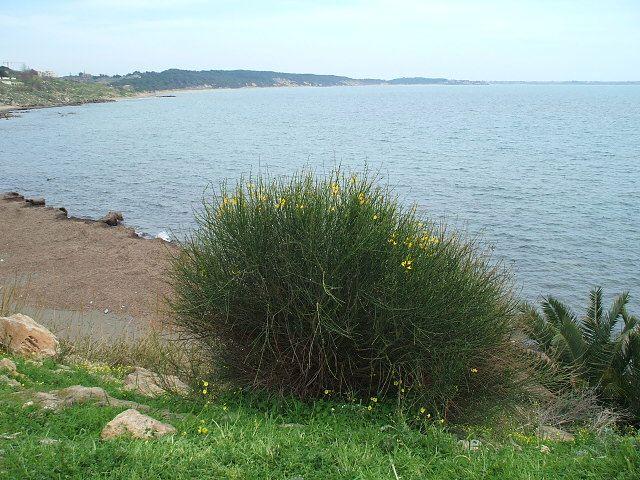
548,175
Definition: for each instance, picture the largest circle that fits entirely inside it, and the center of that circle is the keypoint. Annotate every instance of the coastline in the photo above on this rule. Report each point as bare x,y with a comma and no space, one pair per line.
74,267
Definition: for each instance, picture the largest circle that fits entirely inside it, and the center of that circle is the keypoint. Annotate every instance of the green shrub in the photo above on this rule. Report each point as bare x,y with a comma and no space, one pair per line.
327,285
601,351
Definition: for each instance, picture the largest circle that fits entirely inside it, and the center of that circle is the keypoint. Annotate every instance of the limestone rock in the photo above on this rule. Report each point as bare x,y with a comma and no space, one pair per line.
132,422
78,394
6,364
13,196
150,384
547,432
21,335
35,202
112,218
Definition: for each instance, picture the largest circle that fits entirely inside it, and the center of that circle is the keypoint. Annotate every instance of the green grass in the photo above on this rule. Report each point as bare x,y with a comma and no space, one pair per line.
329,439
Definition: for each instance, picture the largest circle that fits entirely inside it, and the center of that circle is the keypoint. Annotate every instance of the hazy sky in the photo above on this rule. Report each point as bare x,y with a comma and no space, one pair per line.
465,39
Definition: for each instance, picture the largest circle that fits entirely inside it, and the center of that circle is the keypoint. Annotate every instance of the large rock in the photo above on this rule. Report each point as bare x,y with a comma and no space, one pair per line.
547,432
78,394
36,202
112,218
21,335
7,365
150,384
132,422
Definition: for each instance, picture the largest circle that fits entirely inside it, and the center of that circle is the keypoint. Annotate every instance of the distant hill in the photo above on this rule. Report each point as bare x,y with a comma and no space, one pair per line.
182,79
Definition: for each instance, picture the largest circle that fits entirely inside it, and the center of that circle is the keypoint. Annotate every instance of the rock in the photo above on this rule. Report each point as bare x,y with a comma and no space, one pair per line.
150,384
10,381
547,432
7,364
544,449
35,202
132,422
21,335
471,445
77,395
13,196
62,213
112,218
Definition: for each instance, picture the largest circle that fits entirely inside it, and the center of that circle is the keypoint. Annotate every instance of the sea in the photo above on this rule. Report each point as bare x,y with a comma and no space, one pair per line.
546,176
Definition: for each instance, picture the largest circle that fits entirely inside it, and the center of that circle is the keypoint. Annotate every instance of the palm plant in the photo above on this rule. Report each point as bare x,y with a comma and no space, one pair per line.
600,350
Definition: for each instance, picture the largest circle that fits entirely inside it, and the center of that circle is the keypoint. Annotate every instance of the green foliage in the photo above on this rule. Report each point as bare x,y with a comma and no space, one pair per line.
326,284
601,350
242,435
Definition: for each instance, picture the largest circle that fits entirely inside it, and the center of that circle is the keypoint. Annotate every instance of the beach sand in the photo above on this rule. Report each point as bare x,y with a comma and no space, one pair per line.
78,269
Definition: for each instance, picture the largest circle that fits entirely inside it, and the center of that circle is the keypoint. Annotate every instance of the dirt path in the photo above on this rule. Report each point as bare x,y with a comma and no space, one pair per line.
82,266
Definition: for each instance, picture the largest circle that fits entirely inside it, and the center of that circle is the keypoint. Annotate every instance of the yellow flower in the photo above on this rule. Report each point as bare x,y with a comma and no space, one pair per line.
204,391
375,216
203,430
224,408
395,382
369,408
422,409
205,383
362,198
332,209
474,370
374,399
407,263
281,203
353,179
327,392
300,206
335,188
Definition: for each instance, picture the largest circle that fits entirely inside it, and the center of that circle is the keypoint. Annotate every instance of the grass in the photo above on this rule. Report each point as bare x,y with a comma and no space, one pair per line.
255,436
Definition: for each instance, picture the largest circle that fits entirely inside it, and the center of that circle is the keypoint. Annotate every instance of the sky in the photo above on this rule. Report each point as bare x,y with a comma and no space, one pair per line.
462,39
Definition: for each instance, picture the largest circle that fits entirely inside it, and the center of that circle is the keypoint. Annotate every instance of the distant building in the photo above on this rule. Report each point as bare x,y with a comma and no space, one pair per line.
47,73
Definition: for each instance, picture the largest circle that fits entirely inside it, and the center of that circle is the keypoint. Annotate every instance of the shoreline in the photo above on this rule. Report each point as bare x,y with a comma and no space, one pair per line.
70,268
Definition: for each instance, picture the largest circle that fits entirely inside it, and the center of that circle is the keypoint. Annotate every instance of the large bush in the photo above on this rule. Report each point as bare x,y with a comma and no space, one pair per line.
326,285
600,351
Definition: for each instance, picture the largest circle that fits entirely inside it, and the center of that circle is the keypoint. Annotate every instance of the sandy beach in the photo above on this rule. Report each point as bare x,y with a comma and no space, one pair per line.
82,266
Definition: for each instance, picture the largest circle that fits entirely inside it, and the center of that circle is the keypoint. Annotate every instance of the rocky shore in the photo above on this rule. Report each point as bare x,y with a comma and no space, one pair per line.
97,268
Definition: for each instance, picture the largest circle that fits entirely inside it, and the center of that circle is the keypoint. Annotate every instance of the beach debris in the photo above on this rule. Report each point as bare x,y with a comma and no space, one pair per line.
132,422
10,381
8,365
78,395
150,384
21,335
554,434
112,218
35,202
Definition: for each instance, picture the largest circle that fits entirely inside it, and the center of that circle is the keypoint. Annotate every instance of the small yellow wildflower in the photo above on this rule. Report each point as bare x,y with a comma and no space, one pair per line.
327,392
204,391
474,370
300,206
353,179
407,263
335,188
203,430
369,408
332,209
422,409
362,198
374,399
375,216
205,383
395,382
281,203
224,408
